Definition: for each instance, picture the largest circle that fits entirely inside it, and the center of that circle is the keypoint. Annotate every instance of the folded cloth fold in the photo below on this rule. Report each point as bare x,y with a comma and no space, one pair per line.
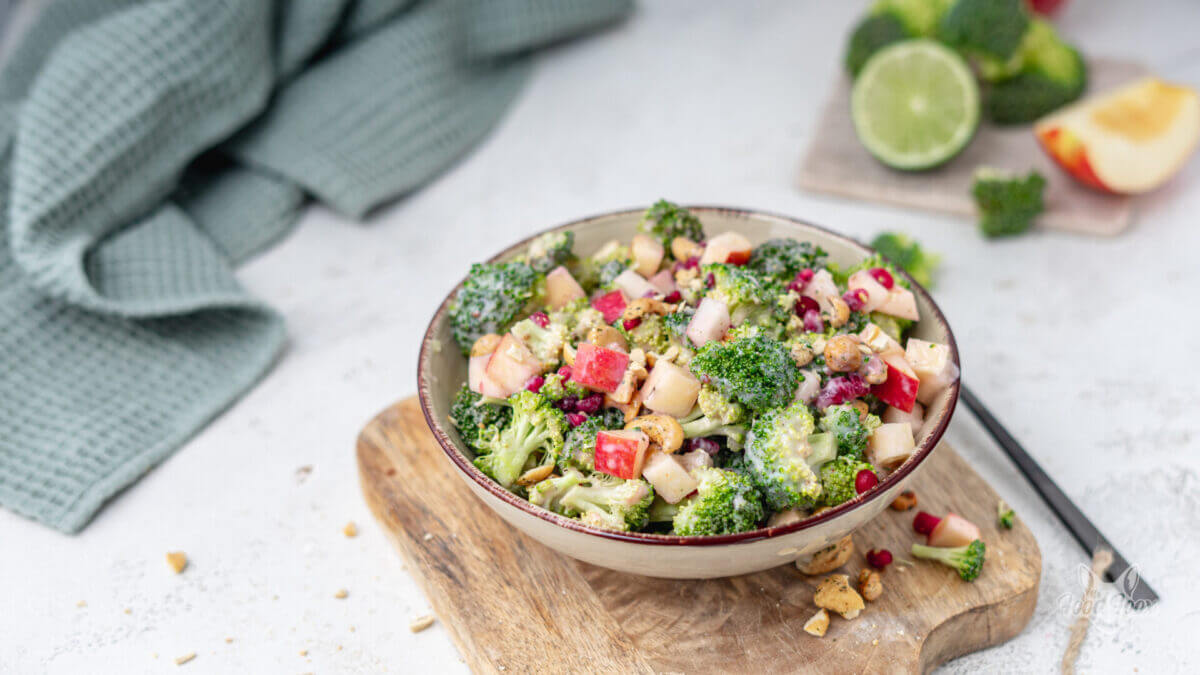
148,147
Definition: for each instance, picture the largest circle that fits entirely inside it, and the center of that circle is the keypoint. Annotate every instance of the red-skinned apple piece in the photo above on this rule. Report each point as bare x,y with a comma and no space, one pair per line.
952,531
561,288
728,247
611,305
599,368
511,366
900,387
621,453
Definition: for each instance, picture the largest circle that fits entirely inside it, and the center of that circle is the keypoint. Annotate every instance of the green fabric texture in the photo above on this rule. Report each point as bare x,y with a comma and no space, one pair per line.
146,148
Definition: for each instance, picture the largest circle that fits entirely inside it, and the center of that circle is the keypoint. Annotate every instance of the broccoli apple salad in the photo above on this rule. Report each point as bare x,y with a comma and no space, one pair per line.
688,384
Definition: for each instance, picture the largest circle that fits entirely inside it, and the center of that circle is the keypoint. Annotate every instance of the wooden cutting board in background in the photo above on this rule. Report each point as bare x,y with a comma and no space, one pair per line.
837,164
515,606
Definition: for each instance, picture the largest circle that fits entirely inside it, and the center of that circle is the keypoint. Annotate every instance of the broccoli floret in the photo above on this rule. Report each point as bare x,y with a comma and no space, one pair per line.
891,325
492,297
556,388
579,445
871,261
848,429
838,477
781,459
602,267
725,502
470,415
757,371
1005,515
579,318
1049,74
546,344
533,438
782,259
662,511
665,221
870,35
966,560
716,415
1007,203
751,298
550,250
596,499
651,334
992,28
908,253
920,18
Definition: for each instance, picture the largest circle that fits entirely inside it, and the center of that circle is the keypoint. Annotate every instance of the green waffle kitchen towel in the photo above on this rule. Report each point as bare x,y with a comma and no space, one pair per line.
147,147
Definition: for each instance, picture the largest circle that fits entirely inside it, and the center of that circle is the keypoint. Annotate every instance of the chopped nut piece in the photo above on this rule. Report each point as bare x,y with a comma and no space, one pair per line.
643,306
350,530
81,603
905,501
683,248
303,652
818,624
839,312
420,623
177,560
180,660
801,354
228,640
869,584
341,594
608,337
128,610
829,558
835,594
535,474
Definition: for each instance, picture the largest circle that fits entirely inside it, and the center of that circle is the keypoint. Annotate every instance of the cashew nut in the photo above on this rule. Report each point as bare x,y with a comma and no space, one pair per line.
683,248
536,474
663,430
486,344
869,585
839,311
607,336
642,306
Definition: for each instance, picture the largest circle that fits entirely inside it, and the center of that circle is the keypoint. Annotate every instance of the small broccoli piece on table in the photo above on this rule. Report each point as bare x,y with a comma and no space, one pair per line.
550,250
782,259
716,415
664,221
757,371
1005,515
870,35
470,415
992,28
579,445
966,560
533,438
596,499
838,478
849,430
908,253
491,299
781,459
1051,73
725,502
1007,203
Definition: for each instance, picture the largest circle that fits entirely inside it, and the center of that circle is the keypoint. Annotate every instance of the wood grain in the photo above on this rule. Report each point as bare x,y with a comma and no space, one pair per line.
836,163
511,602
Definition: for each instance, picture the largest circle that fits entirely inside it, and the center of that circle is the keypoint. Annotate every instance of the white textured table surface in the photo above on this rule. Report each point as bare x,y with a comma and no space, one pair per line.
1085,348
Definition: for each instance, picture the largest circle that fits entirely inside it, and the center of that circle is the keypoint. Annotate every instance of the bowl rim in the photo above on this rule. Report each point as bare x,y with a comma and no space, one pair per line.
467,467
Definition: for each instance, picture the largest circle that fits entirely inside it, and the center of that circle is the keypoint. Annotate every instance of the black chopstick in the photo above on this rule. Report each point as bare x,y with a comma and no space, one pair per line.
1136,590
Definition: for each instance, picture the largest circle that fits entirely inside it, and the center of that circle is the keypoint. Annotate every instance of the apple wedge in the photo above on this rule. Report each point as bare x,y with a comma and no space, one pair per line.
621,453
728,247
561,288
1126,141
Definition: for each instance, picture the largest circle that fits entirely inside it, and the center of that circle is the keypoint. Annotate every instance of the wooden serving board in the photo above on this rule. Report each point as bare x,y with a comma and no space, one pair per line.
513,605
836,163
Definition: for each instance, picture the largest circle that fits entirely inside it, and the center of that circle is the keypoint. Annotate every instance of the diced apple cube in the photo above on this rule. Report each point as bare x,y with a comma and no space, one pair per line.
663,282
478,380
696,459
900,302
728,247
511,366
914,418
671,481
890,444
670,390
621,453
611,305
710,322
953,531
634,284
599,368
876,293
901,386
647,254
561,288
821,288
879,341
932,364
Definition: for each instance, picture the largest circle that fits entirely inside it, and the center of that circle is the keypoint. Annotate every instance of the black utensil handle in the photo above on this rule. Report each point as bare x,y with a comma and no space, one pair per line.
1135,589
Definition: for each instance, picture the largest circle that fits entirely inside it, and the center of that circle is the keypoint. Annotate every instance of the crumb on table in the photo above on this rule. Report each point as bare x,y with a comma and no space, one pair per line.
177,560
421,623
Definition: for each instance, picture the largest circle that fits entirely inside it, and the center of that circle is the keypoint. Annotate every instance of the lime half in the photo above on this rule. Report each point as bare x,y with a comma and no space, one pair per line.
915,104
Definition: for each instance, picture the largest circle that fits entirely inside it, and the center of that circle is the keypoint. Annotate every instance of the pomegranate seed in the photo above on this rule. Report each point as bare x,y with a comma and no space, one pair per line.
590,404
856,299
535,383
813,322
567,404
924,522
691,262
883,276
673,297
865,480
838,390
806,275
564,372
710,280
879,558
805,304
540,319
706,444
575,419
630,324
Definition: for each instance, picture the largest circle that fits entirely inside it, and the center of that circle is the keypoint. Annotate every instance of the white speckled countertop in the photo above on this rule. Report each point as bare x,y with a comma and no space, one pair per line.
1084,347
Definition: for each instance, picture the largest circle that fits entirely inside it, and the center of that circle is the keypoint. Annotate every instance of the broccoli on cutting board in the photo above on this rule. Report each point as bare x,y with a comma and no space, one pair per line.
1007,202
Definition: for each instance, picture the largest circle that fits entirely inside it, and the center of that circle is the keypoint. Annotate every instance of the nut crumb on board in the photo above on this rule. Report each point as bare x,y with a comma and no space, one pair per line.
303,652
180,660
350,530
341,593
128,610
869,584
818,624
834,593
428,536
904,501
177,560
391,471
228,640
81,603
421,623
302,473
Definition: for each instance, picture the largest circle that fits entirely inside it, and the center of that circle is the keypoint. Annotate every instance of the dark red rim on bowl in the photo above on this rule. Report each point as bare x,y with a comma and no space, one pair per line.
464,464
